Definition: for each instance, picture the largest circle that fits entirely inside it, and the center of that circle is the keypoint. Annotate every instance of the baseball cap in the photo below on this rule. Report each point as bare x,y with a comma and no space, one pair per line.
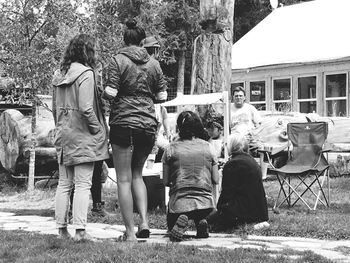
150,42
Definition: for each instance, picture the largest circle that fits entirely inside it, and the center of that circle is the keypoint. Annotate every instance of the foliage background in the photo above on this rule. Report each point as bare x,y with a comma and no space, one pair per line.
34,34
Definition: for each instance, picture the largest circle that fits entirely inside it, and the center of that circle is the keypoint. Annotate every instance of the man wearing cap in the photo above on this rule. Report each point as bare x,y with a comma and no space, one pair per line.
152,46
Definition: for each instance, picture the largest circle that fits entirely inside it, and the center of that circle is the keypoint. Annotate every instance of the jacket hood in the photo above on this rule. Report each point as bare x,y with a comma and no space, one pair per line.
75,70
138,55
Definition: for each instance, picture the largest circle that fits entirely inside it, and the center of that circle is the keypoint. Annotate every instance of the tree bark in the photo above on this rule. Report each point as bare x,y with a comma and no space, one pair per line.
15,141
211,67
181,72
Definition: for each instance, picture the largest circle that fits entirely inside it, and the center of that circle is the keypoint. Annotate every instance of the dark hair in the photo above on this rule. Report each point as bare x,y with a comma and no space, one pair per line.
133,34
190,125
237,89
80,49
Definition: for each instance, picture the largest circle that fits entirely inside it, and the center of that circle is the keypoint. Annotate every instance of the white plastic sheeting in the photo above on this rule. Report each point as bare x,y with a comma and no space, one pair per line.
301,33
199,99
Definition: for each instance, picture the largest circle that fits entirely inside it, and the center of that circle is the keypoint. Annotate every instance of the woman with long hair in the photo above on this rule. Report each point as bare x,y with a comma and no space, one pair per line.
134,82
80,134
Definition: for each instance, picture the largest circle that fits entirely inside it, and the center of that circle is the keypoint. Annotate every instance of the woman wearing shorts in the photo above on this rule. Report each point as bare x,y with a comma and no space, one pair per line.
134,81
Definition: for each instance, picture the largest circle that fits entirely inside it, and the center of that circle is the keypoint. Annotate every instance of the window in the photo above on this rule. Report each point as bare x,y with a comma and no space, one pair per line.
307,94
336,95
257,95
282,94
233,85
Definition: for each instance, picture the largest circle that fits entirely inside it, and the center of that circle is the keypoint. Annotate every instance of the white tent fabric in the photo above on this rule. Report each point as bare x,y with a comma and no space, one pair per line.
198,99
301,33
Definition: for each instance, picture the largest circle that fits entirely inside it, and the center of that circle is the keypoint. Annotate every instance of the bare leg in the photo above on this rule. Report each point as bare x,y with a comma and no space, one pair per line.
140,193
122,162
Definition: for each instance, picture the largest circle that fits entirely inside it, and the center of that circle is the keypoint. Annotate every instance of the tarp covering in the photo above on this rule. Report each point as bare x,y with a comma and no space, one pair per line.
198,99
301,33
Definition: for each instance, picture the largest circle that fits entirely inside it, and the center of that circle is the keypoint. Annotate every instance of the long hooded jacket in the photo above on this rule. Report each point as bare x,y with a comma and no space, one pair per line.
81,130
137,77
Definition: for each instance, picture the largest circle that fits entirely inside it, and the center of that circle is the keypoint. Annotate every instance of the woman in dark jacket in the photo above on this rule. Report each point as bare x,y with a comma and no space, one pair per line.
134,82
242,199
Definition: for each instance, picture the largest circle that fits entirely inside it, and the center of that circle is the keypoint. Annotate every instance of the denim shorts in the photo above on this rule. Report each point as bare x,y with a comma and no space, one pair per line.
126,137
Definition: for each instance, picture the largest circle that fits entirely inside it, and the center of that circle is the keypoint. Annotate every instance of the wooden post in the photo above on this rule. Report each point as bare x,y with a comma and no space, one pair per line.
31,171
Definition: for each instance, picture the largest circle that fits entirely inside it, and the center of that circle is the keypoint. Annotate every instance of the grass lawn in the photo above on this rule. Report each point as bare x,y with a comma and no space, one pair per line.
324,223
20,246
17,246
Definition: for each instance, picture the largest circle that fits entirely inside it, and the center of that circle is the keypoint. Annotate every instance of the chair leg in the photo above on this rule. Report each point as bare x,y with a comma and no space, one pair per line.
287,198
321,191
320,194
281,181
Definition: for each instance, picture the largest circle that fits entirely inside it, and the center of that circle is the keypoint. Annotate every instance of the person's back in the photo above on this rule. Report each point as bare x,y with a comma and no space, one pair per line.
190,163
190,170
242,199
242,189
134,82
139,81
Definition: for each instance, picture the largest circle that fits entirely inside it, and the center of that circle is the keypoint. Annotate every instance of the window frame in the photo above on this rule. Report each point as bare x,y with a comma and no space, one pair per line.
299,101
274,102
255,103
326,99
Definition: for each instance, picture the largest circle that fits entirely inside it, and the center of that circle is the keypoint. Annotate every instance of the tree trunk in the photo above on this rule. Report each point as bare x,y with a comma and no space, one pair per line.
181,72
15,142
211,67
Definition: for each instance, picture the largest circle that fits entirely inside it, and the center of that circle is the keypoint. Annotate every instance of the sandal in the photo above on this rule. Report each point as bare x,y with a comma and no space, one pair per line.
125,238
82,236
143,233
63,233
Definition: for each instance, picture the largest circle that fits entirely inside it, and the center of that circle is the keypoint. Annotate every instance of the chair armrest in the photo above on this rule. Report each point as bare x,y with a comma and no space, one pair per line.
264,151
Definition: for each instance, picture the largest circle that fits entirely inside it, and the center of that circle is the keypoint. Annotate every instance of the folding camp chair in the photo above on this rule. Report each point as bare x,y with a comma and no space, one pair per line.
306,169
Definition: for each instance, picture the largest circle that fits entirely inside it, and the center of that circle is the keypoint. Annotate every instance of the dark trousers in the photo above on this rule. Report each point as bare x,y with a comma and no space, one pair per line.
195,215
96,186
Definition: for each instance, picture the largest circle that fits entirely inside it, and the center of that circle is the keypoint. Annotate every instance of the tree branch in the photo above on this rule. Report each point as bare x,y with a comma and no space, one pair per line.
37,31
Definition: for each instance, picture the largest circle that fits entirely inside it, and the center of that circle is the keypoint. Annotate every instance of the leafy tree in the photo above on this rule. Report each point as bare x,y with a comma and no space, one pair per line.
182,26
103,23
29,48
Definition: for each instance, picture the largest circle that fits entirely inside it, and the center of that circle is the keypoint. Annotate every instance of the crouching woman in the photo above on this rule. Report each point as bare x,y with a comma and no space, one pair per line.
190,170
242,199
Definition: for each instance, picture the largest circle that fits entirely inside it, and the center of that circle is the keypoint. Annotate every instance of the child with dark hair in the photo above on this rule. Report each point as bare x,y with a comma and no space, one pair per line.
190,170
134,82
215,132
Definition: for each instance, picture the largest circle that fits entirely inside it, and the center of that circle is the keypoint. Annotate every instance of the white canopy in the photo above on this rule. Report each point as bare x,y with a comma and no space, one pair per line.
198,99
301,33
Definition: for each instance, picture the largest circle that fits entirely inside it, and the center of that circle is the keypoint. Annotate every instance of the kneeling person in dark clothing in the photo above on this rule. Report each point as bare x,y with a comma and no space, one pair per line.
242,199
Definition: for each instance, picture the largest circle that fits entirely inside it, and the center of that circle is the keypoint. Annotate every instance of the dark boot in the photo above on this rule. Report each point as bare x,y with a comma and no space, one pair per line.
98,210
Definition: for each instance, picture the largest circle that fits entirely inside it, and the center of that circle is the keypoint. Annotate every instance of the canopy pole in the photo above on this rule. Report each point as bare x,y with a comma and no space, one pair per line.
226,123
